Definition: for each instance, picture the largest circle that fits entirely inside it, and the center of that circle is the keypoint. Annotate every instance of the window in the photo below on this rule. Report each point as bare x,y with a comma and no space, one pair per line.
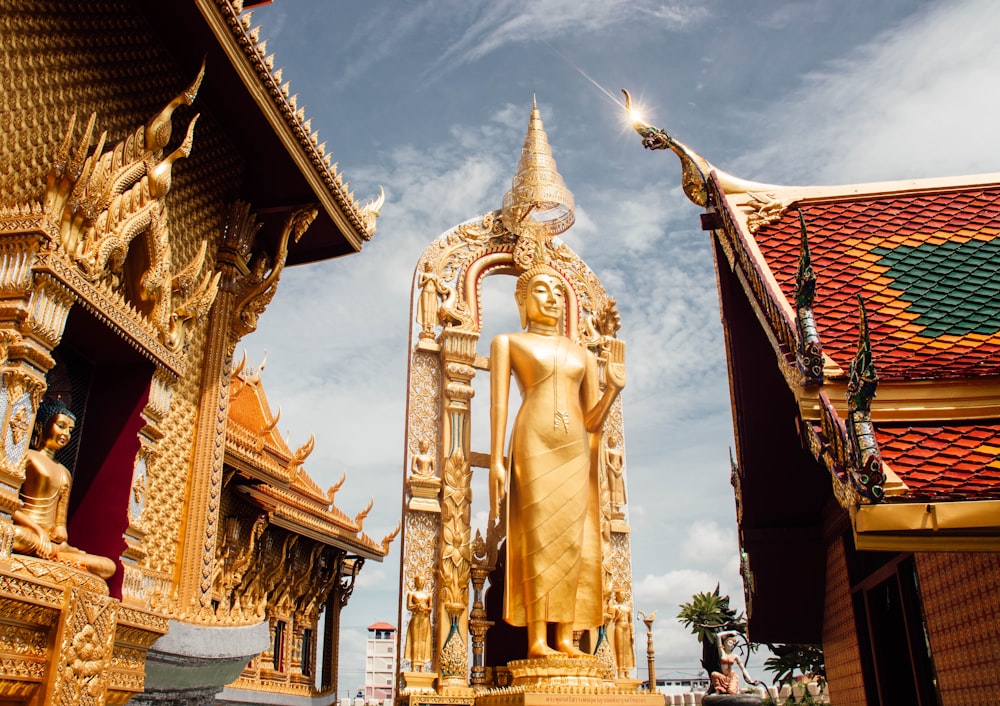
278,648
306,652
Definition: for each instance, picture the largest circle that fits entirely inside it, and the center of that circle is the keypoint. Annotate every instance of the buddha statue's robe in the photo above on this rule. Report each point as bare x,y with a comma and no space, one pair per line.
553,570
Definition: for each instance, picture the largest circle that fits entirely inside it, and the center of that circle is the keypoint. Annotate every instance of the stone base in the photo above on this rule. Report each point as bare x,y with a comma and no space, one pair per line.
514,697
419,682
732,700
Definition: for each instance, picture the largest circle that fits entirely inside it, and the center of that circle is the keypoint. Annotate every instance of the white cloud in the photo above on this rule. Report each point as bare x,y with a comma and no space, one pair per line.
707,542
511,22
915,102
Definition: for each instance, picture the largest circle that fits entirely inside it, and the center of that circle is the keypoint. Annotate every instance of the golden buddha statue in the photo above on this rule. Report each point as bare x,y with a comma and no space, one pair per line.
418,634
553,524
621,619
40,522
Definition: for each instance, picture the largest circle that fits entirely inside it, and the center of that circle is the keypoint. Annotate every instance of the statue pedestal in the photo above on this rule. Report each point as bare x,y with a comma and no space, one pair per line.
627,684
564,681
732,700
569,698
419,682
551,674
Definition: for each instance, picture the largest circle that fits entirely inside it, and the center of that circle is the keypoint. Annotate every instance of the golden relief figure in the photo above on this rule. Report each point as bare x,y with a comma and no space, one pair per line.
418,633
40,522
621,619
553,572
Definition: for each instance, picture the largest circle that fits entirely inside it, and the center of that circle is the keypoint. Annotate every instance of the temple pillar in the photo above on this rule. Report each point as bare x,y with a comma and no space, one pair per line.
245,289
458,353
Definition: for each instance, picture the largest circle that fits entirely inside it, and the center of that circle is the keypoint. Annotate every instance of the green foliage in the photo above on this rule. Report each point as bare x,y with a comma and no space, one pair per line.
806,659
707,613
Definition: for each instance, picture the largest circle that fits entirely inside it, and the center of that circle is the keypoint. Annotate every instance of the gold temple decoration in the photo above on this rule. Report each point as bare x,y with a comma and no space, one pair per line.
538,203
131,263
441,551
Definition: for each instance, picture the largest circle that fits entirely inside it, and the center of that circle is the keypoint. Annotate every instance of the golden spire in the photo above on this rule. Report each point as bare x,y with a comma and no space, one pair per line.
538,203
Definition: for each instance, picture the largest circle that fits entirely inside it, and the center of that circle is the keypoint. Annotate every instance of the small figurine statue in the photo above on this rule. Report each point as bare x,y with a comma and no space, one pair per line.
727,681
621,617
616,480
418,633
427,306
40,522
423,462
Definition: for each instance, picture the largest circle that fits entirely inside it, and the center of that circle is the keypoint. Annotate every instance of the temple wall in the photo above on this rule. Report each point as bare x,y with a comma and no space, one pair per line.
59,59
961,597
840,640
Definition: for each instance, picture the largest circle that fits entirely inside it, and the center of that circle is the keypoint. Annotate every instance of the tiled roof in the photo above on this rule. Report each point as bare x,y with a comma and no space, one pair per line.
956,462
927,265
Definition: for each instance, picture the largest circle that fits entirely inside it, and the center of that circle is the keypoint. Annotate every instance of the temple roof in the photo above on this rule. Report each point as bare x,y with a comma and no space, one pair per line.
273,476
955,461
287,162
926,264
889,289
922,256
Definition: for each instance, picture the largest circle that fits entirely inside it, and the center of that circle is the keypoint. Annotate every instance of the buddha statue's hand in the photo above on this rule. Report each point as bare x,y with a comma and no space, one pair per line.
616,363
498,489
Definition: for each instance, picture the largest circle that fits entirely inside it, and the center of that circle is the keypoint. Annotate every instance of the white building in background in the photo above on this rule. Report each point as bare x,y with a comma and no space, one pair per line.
380,663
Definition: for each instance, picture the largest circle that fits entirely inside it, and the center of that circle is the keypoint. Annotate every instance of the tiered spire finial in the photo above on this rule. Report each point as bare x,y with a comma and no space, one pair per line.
538,203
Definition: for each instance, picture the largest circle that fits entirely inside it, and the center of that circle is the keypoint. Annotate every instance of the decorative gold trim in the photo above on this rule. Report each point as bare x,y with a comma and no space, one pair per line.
967,526
914,401
255,68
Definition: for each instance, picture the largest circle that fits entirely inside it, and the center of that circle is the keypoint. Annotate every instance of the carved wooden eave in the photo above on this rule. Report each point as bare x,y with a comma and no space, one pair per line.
290,164
253,444
290,511
278,483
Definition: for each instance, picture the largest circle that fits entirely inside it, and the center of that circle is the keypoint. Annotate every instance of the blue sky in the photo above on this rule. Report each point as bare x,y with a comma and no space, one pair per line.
431,100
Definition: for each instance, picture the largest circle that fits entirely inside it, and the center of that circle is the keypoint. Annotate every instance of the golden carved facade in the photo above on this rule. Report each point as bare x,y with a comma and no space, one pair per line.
442,553
132,262
287,553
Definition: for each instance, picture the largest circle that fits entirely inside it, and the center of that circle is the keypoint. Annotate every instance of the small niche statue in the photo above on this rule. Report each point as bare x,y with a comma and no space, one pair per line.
551,486
418,634
40,522
621,619
616,470
422,465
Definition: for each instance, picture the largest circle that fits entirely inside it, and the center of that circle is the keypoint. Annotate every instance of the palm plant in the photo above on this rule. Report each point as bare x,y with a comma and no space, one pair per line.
707,614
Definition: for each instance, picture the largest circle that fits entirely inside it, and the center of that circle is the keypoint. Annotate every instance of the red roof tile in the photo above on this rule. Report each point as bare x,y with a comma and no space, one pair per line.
926,267
954,462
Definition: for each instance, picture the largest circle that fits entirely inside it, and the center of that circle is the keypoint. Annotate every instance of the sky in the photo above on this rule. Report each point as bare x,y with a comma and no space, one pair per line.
430,100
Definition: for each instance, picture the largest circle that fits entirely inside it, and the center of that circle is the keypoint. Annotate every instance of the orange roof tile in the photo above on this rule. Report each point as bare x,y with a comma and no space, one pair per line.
953,462
927,264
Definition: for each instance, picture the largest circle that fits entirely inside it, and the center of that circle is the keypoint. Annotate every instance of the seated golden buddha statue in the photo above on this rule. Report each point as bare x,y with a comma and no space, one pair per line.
40,522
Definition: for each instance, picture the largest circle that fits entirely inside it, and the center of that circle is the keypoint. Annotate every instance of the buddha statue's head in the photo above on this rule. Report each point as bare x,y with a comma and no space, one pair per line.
54,424
541,296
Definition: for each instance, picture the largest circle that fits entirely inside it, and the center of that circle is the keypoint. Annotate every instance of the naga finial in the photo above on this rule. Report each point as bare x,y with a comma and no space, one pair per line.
809,351
694,168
